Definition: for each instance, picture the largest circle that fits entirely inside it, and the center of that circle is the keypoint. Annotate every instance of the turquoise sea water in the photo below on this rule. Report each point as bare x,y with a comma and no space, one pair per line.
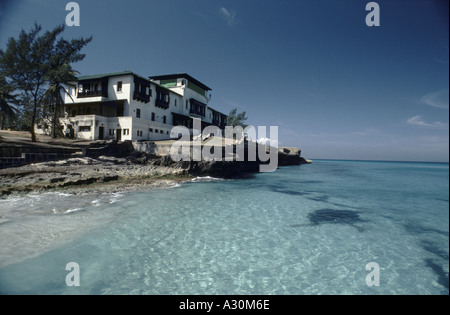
310,229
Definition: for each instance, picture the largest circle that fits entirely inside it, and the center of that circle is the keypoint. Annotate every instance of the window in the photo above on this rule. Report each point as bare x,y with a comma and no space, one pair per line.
111,132
150,130
175,102
165,120
84,128
156,131
126,132
119,86
162,131
153,116
167,132
138,113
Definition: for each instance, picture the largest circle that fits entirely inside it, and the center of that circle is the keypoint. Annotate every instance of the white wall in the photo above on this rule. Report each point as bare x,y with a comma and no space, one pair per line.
127,81
151,130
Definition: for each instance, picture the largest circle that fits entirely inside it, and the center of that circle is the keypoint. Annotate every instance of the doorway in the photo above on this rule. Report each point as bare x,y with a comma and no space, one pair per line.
101,133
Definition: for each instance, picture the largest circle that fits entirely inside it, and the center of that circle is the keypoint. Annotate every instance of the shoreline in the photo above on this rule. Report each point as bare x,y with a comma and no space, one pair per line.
110,167
106,174
87,175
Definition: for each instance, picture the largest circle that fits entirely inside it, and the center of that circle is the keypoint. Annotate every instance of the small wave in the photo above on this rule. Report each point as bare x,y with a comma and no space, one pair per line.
11,199
96,202
116,197
205,179
73,210
63,194
58,194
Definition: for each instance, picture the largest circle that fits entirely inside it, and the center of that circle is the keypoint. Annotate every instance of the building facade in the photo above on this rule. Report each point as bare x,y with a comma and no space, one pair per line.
125,106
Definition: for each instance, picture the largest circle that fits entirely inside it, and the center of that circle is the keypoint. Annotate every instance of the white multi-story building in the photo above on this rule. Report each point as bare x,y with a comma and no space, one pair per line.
126,106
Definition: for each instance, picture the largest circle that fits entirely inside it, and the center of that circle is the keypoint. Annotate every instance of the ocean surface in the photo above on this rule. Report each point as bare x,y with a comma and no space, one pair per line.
309,229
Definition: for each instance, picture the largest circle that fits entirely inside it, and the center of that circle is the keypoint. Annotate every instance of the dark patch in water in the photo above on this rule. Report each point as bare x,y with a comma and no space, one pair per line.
414,228
325,199
444,200
298,225
432,248
320,199
439,271
332,216
290,192
311,182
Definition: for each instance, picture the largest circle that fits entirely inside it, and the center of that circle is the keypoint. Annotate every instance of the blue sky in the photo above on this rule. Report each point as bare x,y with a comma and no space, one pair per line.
335,87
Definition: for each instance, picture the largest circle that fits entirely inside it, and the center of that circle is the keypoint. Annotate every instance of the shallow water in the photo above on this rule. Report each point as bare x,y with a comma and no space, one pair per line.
310,229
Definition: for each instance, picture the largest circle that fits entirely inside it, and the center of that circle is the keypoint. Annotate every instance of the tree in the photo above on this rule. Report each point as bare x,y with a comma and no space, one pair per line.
59,78
8,111
234,119
31,61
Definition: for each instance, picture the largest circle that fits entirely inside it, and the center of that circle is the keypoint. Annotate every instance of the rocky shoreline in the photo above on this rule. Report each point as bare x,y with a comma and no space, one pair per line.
84,174
132,171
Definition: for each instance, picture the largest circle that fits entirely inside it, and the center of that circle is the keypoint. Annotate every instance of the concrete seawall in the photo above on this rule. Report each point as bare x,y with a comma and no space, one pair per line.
14,156
286,155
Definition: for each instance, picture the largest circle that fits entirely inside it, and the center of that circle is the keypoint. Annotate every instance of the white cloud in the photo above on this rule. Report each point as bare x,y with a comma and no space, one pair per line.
418,121
267,141
438,99
367,132
228,15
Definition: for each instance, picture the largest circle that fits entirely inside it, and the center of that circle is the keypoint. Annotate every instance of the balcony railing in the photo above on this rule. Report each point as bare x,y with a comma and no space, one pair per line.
143,97
197,110
87,93
161,103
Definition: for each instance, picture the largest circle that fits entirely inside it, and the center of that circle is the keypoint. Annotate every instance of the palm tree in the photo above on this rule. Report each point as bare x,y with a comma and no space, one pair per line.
58,79
7,102
234,119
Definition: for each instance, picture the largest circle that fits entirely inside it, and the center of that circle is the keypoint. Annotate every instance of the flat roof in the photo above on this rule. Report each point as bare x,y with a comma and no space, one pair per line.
164,88
103,75
181,75
217,111
111,74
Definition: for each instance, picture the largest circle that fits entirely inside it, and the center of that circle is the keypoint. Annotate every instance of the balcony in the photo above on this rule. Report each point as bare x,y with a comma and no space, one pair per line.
142,97
197,111
161,103
87,93
197,108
